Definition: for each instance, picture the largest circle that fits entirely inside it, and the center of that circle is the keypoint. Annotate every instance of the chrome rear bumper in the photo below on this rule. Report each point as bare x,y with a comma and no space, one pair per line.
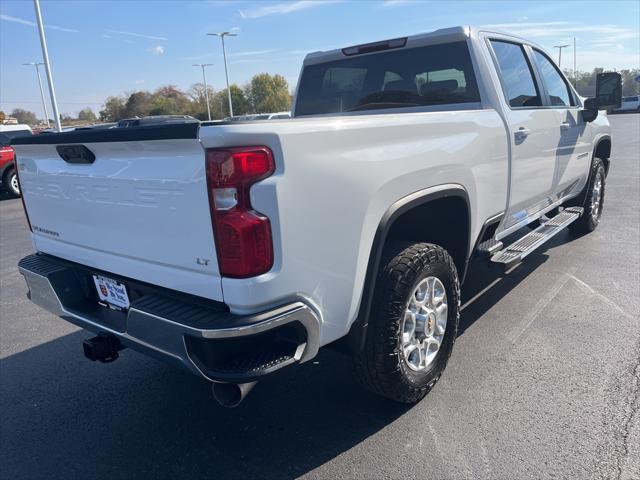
205,338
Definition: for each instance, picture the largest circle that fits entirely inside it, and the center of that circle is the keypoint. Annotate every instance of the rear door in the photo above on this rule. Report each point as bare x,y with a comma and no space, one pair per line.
534,135
137,208
573,155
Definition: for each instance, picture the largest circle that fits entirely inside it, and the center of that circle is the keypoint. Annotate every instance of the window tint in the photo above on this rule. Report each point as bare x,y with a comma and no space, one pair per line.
433,75
516,75
554,83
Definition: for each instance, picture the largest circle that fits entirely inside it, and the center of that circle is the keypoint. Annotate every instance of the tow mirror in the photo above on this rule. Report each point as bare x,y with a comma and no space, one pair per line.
608,95
609,90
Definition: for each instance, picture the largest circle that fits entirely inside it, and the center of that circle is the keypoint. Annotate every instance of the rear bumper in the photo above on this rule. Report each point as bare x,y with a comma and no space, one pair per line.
198,334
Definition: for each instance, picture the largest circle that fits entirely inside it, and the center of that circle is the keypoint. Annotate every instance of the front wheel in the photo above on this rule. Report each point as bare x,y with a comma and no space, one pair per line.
413,324
10,181
593,200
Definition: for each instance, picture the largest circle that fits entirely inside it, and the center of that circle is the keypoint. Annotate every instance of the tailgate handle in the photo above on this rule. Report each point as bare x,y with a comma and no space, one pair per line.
76,154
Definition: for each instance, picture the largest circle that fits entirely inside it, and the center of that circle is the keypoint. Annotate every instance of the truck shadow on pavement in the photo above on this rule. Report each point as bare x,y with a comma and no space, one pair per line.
66,417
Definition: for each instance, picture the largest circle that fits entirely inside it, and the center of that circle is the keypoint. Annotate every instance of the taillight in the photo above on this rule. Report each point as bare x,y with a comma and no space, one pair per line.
242,235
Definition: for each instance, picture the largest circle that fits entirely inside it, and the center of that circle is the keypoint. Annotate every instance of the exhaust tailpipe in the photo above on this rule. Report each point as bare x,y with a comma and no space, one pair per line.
230,395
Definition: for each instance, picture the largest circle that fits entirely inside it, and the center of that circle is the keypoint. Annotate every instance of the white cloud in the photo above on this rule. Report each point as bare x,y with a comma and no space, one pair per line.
598,45
283,8
135,34
62,29
139,82
9,18
608,32
252,53
157,50
29,23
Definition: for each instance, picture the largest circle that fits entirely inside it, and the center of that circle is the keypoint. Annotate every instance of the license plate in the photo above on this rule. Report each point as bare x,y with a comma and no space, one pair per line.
111,292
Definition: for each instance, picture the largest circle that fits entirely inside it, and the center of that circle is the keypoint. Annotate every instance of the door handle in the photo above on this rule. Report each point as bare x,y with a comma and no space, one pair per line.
522,133
565,126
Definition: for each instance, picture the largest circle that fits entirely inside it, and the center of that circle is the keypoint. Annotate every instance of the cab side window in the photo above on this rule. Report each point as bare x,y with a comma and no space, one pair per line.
516,75
555,84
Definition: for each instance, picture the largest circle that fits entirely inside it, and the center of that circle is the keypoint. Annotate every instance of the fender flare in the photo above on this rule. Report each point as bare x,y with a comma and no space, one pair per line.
358,331
581,197
596,145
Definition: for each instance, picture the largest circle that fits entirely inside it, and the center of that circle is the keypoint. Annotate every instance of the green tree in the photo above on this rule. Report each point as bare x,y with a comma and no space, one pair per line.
24,116
137,105
269,93
241,105
86,115
169,101
585,82
198,100
113,109
629,85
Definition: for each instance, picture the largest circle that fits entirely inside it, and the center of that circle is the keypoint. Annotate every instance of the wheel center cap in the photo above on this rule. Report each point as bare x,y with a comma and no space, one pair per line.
430,324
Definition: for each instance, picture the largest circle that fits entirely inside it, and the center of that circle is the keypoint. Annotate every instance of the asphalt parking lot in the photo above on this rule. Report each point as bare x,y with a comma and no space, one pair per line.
544,382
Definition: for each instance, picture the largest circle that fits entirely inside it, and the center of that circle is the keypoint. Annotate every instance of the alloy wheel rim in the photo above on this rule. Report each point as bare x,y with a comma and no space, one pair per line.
14,183
424,324
596,197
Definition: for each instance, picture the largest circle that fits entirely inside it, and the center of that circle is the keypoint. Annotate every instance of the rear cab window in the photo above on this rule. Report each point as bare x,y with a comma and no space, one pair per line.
400,78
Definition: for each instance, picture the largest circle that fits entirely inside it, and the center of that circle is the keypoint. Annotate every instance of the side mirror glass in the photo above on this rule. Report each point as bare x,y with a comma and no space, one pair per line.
609,90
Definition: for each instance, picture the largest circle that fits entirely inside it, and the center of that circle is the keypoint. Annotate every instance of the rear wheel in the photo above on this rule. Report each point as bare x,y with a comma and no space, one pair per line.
593,200
413,324
10,182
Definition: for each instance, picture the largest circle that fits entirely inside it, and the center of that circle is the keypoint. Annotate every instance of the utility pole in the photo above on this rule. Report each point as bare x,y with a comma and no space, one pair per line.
204,80
47,65
224,55
44,103
575,70
560,47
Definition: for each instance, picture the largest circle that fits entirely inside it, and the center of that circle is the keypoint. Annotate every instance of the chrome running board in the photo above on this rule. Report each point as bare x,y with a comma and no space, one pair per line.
517,251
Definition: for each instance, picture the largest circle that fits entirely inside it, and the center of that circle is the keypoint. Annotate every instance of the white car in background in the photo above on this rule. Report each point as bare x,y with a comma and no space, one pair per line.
630,104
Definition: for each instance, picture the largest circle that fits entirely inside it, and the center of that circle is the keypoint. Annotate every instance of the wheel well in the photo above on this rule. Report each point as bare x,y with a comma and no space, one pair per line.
603,152
444,221
439,215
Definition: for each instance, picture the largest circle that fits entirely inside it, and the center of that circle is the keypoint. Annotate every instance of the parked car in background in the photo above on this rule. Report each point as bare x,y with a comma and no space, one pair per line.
279,115
629,104
8,175
258,116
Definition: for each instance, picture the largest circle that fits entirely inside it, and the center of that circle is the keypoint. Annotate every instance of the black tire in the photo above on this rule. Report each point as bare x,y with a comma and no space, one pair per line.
588,221
381,366
10,183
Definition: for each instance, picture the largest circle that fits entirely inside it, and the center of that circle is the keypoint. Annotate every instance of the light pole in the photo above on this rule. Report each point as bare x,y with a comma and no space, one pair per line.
44,103
560,47
47,66
204,80
224,55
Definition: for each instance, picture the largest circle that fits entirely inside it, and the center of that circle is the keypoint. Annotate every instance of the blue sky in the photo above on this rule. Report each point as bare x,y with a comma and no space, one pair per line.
102,48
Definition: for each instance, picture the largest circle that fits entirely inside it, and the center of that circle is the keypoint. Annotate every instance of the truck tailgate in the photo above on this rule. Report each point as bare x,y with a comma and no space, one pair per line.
140,209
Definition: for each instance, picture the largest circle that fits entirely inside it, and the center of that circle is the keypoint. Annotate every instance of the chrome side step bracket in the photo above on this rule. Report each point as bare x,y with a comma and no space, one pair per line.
517,251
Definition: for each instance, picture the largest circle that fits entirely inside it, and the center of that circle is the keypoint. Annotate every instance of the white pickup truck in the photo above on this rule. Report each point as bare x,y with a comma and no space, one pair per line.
239,249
